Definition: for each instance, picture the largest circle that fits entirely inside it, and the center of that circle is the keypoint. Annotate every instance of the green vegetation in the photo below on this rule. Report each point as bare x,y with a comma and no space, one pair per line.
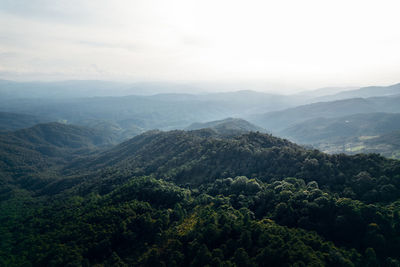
359,133
197,198
227,127
387,145
13,121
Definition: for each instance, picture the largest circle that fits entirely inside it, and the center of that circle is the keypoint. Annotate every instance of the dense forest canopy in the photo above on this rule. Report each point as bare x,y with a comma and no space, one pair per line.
193,198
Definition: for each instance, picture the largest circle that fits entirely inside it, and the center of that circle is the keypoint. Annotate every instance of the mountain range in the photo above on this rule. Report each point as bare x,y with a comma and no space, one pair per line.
279,120
193,198
184,180
365,92
361,124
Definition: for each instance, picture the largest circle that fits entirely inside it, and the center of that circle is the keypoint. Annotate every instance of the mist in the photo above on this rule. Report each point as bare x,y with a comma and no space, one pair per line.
284,46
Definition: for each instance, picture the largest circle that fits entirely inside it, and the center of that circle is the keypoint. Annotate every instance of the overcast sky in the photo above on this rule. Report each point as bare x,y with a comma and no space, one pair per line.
299,44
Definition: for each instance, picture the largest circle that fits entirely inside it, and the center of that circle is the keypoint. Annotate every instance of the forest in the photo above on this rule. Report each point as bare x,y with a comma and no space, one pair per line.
205,133
193,198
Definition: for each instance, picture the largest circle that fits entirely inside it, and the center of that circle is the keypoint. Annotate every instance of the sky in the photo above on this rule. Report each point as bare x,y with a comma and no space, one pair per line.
285,44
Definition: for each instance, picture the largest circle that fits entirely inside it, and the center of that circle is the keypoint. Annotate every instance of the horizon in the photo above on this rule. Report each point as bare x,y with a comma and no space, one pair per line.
207,87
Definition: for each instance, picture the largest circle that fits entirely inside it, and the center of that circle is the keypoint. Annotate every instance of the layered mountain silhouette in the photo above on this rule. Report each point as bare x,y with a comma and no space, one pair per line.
279,120
219,193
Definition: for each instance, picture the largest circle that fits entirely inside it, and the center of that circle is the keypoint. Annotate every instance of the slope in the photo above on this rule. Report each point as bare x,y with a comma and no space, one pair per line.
14,121
386,144
364,92
162,111
279,120
332,129
45,146
195,158
193,199
228,126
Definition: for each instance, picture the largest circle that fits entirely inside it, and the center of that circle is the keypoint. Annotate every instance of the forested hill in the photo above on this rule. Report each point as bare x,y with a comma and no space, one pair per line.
62,135
45,146
228,126
196,157
15,121
197,198
184,149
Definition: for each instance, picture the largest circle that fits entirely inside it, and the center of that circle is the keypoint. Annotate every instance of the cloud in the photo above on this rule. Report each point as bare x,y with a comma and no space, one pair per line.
4,56
304,43
71,11
107,45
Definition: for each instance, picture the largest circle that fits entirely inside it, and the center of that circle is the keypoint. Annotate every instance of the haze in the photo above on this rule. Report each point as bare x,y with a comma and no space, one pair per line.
287,45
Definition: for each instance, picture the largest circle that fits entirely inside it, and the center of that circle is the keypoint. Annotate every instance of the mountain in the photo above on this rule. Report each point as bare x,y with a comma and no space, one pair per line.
162,111
129,115
115,131
177,152
193,198
61,135
386,144
359,133
186,157
98,88
331,129
14,121
43,146
86,88
278,120
220,194
59,89
326,91
228,126
95,88
364,92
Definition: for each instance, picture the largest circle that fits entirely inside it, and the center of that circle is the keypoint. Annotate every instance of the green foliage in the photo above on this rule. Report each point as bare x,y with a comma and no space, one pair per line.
227,127
196,199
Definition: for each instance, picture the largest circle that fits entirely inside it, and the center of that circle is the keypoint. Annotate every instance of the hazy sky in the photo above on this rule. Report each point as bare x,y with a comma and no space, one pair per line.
299,44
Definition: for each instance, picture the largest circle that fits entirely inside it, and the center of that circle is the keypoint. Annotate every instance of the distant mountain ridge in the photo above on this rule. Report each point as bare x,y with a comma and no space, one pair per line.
86,88
326,91
62,135
163,111
123,117
387,145
320,129
364,92
14,121
358,133
278,120
98,88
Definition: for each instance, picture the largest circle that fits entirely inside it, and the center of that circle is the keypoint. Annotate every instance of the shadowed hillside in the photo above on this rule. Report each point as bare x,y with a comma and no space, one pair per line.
196,198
